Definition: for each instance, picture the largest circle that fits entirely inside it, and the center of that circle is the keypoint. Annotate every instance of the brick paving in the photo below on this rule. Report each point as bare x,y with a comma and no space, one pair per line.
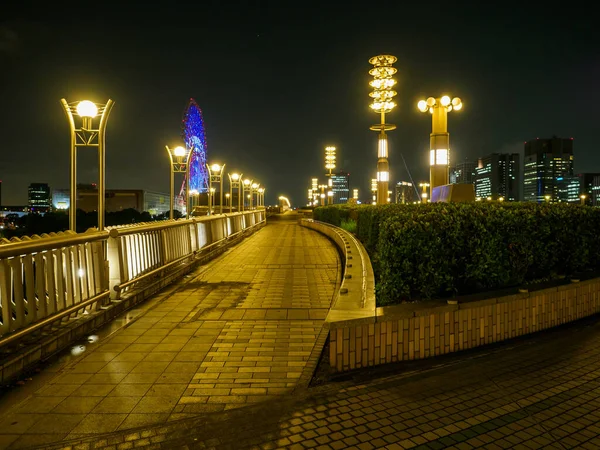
244,328
532,393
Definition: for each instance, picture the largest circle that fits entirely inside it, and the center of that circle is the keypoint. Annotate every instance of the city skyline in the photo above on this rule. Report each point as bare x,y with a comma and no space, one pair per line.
273,97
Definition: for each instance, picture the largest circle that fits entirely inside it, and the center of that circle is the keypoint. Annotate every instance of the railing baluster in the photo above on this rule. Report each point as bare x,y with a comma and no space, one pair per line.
40,285
30,303
5,296
50,280
18,297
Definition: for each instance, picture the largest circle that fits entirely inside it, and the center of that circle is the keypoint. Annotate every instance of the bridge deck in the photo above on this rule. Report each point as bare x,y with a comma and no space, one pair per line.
240,330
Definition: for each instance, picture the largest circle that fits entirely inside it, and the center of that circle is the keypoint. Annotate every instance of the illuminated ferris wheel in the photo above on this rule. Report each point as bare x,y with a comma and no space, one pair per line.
195,141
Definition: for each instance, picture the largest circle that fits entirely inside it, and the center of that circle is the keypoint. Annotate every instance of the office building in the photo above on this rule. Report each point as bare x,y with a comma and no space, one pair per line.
38,197
548,170
340,183
405,192
589,185
115,200
498,175
463,173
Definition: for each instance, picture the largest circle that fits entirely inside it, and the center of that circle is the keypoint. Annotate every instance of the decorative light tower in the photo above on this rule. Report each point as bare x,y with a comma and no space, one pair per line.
87,136
235,181
374,190
215,175
439,148
329,165
315,188
382,96
261,196
355,194
179,157
424,193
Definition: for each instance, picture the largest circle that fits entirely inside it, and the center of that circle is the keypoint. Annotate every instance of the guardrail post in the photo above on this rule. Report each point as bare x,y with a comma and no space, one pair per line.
115,257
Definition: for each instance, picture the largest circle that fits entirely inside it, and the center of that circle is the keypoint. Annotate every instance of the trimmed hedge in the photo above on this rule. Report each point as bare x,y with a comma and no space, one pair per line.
438,250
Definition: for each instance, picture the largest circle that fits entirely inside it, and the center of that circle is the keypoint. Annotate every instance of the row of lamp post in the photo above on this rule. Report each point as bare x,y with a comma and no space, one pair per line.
180,163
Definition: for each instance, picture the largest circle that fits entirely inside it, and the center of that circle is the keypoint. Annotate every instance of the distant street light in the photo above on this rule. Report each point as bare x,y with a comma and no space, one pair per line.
382,104
582,197
439,147
87,136
547,198
179,157
247,187
215,175
235,181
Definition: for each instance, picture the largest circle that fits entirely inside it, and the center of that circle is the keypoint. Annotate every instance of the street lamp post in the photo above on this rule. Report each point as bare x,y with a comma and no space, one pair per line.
235,181
247,185
179,157
87,136
582,197
439,148
424,194
382,96
215,175
261,196
254,192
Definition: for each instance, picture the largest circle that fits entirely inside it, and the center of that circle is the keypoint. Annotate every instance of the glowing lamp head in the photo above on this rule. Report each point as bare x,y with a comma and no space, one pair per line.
86,108
422,105
246,182
445,100
261,190
235,176
254,185
179,151
215,168
430,101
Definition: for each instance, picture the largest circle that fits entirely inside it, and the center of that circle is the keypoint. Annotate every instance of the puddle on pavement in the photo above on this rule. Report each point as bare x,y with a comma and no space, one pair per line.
36,377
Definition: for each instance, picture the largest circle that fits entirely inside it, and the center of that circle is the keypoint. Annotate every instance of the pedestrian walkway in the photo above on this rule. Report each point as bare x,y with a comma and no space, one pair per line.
539,392
242,329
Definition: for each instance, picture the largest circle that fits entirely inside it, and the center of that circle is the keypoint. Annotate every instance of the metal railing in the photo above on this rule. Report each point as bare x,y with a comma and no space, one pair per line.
45,279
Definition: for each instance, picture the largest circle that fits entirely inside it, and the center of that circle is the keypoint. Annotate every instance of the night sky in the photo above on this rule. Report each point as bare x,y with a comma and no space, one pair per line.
279,81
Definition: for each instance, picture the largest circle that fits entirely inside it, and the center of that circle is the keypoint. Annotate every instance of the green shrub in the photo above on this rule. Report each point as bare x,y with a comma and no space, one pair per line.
437,250
349,225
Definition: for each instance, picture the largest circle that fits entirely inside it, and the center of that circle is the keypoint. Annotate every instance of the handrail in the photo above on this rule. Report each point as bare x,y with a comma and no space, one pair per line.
51,319
124,230
49,243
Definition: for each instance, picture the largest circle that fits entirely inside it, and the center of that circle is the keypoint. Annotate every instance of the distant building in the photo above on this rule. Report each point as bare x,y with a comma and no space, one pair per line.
498,175
115,200
340,183
589,185
39,197
405,192
548,170
463,173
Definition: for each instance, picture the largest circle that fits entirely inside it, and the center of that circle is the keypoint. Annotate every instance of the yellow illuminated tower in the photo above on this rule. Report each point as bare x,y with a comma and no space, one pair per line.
382,96
439,148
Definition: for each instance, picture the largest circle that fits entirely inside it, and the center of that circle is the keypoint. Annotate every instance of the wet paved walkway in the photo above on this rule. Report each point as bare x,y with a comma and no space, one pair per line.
242,329
535,392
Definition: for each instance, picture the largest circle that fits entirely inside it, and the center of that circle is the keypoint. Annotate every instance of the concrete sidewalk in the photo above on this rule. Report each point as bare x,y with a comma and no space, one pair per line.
242,329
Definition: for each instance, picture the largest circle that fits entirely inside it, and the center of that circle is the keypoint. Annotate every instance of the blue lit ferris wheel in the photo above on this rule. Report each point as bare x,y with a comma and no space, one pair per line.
195,140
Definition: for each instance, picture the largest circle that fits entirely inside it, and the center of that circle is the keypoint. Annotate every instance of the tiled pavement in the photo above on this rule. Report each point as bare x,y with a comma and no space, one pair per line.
535,392
243,329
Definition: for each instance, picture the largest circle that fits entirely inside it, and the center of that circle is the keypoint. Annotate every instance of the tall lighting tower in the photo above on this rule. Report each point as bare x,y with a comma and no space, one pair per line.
382,96
439,148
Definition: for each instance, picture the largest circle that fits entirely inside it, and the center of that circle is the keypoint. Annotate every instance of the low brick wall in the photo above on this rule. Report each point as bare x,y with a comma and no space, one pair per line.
412,331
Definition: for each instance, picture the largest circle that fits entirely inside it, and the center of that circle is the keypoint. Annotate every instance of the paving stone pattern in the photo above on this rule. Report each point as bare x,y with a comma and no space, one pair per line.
241,330
541,392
